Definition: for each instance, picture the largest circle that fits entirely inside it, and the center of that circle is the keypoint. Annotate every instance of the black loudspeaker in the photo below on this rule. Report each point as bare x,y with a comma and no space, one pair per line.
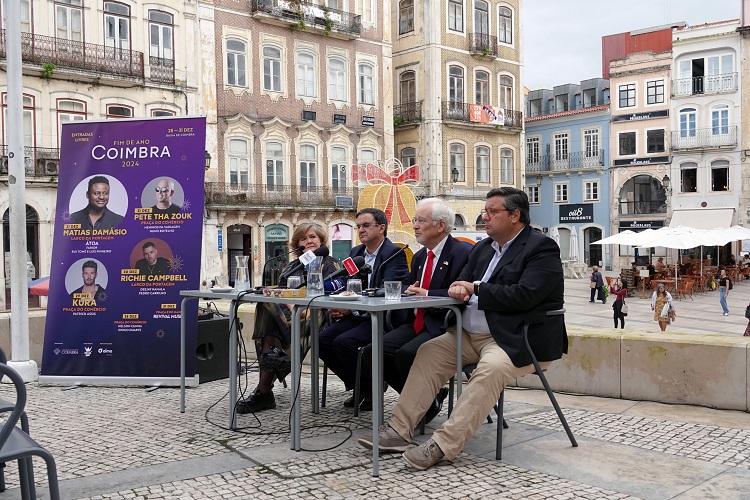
212,353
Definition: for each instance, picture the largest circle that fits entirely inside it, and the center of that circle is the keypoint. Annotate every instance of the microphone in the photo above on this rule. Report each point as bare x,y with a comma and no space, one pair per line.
298,249
308,257
378,272
332,283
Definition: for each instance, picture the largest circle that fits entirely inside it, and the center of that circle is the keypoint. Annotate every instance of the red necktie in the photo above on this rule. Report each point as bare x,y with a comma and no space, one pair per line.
419,320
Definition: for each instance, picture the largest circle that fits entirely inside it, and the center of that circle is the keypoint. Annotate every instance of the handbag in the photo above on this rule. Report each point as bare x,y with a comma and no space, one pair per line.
624,308
592,284
664,311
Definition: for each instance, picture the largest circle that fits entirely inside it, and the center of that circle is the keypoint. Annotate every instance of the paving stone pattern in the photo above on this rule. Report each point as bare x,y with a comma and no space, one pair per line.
702,442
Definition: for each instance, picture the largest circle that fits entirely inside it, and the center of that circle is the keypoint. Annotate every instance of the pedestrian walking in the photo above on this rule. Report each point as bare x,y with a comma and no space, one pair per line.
747,315
659,299
619,289
597,282
725,284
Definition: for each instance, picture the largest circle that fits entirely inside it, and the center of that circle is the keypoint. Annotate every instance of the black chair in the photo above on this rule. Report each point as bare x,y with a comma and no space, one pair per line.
538,371
16,444
7,406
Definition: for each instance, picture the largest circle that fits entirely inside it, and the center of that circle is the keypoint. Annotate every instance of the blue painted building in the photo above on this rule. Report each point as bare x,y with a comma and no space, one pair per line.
567,158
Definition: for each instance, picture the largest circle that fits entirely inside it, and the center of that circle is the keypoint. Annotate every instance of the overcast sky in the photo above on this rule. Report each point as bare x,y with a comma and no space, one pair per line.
563,38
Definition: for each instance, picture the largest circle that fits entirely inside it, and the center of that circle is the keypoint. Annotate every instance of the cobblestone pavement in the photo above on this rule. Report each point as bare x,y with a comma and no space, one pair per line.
129,443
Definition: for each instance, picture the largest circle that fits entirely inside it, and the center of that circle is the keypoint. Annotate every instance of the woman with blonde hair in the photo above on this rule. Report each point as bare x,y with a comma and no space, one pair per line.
272,329
659,298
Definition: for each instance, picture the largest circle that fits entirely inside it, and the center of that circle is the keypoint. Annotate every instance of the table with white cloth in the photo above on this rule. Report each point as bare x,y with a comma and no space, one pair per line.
376,306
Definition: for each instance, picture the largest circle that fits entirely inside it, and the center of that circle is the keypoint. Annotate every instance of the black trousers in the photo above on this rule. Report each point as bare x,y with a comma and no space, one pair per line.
339,345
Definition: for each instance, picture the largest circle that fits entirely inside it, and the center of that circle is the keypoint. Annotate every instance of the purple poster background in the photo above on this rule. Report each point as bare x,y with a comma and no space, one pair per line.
125,248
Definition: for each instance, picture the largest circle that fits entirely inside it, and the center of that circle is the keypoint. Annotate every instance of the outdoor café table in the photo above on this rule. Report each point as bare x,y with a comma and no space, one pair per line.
670,284
376,306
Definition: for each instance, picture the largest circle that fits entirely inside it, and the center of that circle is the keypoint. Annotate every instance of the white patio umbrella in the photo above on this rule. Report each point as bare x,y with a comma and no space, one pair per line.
555,235
626,237
574,244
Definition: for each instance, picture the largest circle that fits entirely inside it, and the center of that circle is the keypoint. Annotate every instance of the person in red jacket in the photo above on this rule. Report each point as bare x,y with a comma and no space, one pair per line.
619,289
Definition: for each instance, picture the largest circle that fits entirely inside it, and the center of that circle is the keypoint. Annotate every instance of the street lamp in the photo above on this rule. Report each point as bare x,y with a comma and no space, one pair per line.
539,179
454,175
207,163
666,182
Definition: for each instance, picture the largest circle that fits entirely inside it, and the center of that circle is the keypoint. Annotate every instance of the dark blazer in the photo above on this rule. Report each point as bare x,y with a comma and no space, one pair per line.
395,270
447,268
527,282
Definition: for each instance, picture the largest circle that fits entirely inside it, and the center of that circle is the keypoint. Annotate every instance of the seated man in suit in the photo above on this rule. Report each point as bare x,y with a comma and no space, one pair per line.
340,342
433,268
513,274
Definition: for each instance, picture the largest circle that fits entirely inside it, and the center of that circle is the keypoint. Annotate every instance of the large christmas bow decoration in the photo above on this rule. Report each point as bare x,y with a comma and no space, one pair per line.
393,177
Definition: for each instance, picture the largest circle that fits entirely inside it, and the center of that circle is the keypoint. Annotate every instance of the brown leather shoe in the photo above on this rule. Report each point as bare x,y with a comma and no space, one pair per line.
424,456
389,441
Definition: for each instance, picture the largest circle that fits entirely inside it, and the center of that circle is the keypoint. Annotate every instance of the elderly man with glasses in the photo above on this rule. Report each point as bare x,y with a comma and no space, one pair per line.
512,275
340,342
433,268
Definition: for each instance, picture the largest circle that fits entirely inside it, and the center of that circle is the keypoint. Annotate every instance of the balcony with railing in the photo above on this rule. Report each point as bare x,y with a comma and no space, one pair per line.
406,113
161,70
705,138
108,62
39,163
262,195
461,112
483,44
302,15
468,193
562,162
709,84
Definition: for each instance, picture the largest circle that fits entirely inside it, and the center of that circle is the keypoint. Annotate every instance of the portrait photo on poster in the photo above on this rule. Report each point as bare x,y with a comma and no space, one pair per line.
151,256
86,275
164,195
98,201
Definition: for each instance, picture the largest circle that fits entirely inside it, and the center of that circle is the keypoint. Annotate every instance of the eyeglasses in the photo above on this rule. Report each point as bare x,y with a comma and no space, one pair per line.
162,190
493,211
366,225
420,221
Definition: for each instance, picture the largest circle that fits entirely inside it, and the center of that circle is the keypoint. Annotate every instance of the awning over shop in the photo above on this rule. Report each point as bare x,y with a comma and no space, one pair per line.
703,218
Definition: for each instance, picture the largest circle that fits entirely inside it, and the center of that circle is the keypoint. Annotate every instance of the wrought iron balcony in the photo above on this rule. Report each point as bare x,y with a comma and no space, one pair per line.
710,84
38,162
409,112
705,138
643,207
483,43
570,161
301,15
227,194
461,112
468,193
161,70
70,54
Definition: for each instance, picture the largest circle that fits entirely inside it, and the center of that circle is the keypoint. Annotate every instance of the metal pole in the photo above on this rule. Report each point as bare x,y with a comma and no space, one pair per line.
19,309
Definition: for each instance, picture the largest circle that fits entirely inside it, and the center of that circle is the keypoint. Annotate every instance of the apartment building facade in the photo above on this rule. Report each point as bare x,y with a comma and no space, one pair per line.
640,137
566,166
458,98
90,60
706,112
299,100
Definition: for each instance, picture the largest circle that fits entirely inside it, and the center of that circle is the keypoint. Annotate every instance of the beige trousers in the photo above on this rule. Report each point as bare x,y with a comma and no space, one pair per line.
434,365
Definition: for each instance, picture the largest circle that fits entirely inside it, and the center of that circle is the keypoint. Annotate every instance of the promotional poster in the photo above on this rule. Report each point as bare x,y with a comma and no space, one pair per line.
128,226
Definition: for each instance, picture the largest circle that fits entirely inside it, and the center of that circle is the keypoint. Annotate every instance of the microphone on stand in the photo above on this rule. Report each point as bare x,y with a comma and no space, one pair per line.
332,283
275,257
377,291
305,259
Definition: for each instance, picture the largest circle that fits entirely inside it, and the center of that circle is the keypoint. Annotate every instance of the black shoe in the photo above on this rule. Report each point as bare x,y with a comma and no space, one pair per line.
436,406
256,402
366,404
604,301
276,360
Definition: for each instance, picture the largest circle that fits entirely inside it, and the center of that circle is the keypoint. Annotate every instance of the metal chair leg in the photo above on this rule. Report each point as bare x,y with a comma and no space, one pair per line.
325,386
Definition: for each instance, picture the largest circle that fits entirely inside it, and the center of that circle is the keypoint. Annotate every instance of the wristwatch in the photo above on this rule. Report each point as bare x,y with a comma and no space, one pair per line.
476,287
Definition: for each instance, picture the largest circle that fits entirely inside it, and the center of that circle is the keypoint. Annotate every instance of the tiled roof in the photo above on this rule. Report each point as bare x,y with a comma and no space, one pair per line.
707,24
568,113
